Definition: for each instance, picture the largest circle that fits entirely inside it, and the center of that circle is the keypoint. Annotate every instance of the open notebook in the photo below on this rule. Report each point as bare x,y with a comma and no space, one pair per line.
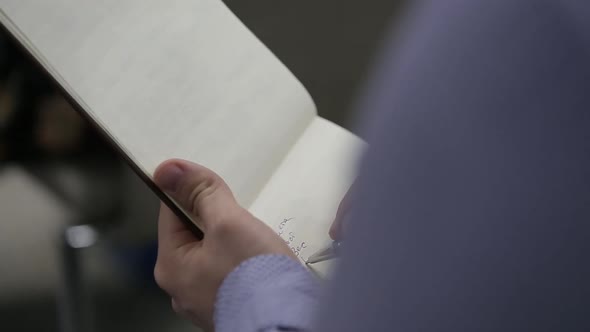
186,79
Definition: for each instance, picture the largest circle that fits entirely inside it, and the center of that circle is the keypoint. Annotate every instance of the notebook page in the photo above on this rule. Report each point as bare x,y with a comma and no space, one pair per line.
174,78
301,199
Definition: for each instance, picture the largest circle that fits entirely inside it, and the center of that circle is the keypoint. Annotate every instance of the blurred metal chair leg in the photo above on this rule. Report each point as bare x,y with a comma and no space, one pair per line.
92,190
75,313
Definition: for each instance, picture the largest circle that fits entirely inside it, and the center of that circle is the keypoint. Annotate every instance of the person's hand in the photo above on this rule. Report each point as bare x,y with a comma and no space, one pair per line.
191,270
337,225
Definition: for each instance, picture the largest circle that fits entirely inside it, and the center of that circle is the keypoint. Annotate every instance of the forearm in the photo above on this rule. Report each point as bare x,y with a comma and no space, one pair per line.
267,293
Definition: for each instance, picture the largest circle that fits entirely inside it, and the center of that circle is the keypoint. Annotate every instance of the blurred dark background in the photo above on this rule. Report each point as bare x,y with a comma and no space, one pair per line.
78,228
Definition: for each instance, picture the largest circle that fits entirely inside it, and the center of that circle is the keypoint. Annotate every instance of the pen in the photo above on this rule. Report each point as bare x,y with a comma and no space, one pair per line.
330,252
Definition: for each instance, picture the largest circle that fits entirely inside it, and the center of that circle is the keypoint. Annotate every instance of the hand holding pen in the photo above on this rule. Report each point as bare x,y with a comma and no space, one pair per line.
336,230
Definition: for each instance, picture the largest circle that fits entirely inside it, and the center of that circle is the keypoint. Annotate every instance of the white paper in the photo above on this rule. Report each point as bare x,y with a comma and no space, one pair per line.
302,197
171,79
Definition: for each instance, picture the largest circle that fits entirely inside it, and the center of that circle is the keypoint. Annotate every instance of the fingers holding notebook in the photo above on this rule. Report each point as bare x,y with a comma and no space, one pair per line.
191,270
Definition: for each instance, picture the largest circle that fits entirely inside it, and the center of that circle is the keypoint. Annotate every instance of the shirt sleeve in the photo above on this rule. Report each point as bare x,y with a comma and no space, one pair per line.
267,293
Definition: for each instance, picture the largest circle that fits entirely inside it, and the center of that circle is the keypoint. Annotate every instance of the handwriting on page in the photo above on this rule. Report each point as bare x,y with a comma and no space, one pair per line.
285,232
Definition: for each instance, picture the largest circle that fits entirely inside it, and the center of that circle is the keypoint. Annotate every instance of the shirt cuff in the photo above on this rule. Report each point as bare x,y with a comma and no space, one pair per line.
267,292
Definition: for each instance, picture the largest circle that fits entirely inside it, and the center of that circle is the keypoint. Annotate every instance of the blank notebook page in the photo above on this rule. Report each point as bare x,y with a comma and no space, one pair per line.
174,78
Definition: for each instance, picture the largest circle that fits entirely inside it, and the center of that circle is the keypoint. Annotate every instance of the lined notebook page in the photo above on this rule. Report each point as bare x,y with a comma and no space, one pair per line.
174,78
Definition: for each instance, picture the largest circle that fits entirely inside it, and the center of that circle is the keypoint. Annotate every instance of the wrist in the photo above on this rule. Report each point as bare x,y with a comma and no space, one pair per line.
266,291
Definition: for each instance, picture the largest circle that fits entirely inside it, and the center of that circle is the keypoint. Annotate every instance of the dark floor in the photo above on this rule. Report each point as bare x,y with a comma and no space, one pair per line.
329,45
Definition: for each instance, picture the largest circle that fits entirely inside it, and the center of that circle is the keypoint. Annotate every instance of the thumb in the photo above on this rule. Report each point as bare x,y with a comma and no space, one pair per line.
198,190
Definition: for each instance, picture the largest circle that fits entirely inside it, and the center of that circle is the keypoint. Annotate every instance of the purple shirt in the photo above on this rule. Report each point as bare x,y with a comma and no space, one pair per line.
473,206
267,293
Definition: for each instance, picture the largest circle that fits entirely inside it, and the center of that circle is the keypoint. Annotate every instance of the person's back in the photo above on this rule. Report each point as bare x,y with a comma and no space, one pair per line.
474,209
